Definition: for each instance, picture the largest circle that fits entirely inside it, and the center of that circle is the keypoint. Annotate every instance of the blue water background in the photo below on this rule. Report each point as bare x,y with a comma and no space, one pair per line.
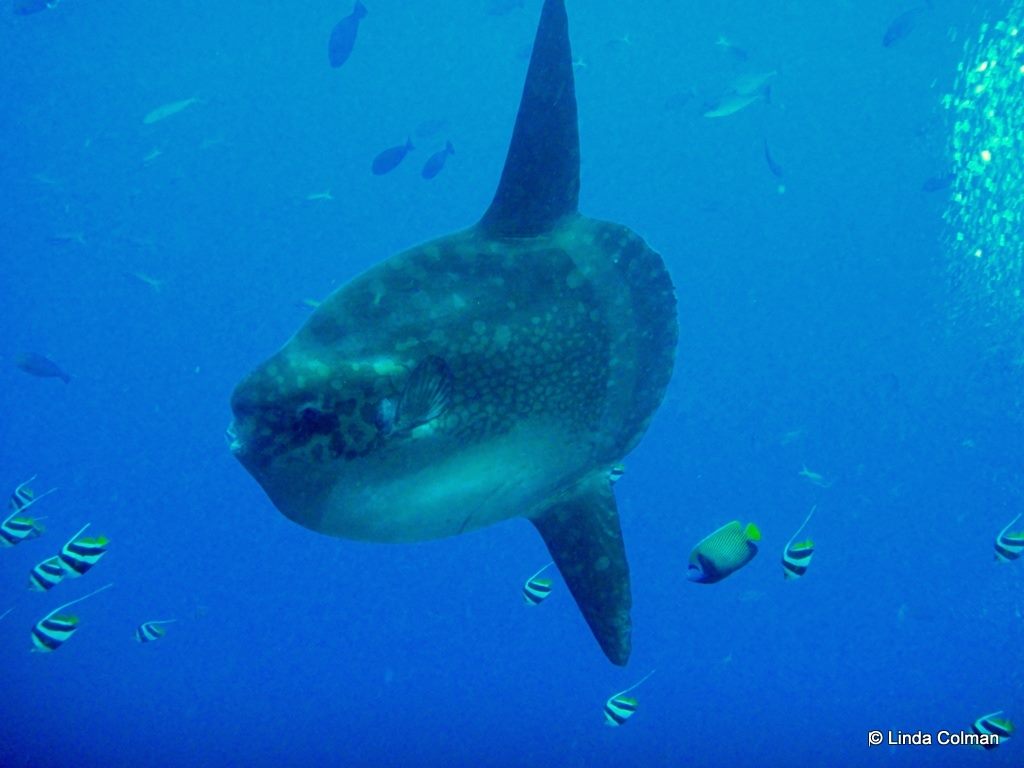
815,330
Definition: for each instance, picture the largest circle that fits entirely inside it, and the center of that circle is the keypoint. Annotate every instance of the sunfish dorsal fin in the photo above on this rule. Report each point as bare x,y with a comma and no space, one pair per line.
541,180
582,533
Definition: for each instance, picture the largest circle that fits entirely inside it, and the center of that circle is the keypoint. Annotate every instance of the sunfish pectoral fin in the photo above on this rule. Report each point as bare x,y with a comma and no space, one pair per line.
582,533
427,394
540,183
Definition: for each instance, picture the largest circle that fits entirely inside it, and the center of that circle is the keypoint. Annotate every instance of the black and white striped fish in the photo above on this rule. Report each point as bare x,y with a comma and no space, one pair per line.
54,629
1009,545
47,574
17,526
24,497
797,555
620,707
82,552
992,725
148,631
536,589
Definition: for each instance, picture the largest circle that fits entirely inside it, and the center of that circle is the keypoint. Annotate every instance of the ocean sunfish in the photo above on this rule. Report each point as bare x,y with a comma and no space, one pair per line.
498,372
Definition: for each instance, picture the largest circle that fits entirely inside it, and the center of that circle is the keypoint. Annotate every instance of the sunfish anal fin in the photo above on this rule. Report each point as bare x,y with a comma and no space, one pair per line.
540,183
582,533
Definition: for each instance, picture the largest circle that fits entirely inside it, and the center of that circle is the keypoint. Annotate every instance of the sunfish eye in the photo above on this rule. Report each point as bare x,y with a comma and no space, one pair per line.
312,421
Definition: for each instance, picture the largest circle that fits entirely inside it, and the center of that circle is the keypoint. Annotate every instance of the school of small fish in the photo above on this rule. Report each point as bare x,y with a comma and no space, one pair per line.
78,556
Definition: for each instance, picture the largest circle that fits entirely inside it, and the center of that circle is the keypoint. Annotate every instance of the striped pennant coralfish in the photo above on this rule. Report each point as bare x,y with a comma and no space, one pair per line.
148,631
54,629
16,528
620,707
81,554
991,725
797,555
1009,545
47,574
24,497
536,590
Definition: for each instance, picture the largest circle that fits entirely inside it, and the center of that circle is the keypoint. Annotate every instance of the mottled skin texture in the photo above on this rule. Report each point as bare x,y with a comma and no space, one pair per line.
560,348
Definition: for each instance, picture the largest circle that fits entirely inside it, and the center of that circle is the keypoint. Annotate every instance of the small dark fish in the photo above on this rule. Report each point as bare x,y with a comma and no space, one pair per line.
435,162
938,183
343,36
28,7
430,128
902,26
43,367
773,166
389,159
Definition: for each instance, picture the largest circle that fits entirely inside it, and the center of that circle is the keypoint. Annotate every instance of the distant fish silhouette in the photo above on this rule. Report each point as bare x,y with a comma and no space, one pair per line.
436,161
142,277
62,238
902,26
37,365
745,90
389,159
727,45
167,110
149,631
814,478
28,7
343,36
